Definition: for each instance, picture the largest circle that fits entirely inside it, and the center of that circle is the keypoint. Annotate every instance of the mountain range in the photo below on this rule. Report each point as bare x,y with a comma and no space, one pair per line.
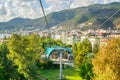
97,16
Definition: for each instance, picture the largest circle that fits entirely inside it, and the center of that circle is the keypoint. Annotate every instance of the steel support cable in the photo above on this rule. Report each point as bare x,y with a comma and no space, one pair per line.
44,14
110,17
69,4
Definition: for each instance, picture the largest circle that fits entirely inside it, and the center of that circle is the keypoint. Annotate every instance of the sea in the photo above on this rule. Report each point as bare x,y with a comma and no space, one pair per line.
4,35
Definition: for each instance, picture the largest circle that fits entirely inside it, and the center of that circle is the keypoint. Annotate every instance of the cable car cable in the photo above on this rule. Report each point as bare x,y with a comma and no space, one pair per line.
44,14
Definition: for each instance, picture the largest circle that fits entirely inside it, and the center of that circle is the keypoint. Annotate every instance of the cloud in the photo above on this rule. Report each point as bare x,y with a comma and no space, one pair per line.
31,8
109,1
56,5
64,4
19,8
79,3
3,11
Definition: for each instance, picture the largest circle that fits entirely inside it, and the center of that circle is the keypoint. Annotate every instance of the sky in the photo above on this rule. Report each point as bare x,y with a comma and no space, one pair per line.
10,9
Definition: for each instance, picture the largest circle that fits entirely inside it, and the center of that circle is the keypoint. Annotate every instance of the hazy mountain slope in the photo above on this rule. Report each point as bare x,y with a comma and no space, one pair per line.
92,17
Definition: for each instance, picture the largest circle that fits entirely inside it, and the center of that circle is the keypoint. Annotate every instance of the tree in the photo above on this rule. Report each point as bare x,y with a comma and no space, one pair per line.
1,72
24,51
8,70
86,71
107,61
81,51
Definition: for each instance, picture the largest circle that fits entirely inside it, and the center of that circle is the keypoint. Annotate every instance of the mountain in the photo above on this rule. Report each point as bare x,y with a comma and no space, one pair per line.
97,16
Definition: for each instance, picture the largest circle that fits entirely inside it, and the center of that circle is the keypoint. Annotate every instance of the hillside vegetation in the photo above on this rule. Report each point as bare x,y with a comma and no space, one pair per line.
91,17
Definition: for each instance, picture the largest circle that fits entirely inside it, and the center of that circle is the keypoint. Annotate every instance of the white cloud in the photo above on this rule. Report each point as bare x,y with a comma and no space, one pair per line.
109,1
56,5
31,8
79,3
3,11
19,8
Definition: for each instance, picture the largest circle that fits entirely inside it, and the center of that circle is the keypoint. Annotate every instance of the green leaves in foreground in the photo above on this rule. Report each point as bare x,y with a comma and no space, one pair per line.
86,71
24,51
81,50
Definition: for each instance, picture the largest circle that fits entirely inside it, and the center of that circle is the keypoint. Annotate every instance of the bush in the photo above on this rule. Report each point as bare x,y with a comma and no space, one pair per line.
86,71
45,64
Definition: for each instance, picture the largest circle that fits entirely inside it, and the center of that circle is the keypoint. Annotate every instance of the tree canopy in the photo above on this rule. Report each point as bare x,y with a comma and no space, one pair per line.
24,51
82,60
81,50
107,61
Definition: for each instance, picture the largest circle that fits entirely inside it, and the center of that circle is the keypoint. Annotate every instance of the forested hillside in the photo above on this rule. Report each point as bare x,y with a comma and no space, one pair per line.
91,17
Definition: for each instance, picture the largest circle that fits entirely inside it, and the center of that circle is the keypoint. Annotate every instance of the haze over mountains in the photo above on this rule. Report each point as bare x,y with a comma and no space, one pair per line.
91,17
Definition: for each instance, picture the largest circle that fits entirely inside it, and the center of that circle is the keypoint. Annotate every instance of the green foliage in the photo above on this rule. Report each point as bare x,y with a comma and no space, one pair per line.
107,60
45,64
20,57
1,72
86,71
81,50
8,70
24,51
80,19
